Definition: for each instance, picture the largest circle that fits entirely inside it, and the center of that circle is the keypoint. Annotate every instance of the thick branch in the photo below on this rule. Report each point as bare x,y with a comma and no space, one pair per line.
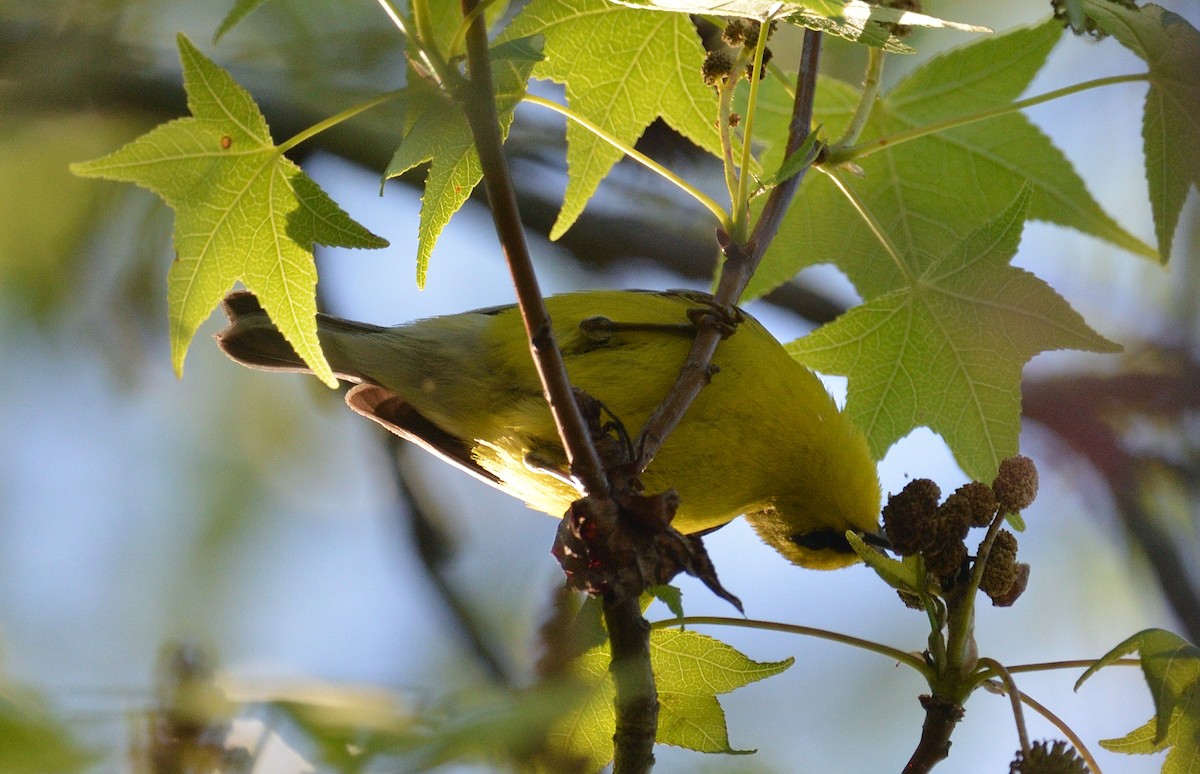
941,716
636,699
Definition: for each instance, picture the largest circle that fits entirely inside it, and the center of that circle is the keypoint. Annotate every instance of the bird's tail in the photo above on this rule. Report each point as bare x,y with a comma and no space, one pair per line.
253,340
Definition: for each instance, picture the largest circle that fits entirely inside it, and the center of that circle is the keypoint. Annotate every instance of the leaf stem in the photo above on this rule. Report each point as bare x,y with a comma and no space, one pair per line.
908,659
1083,663
1067,731
1014,695
337,118
843,154
706,201
868,217
741,202
724,111
866,103
424,24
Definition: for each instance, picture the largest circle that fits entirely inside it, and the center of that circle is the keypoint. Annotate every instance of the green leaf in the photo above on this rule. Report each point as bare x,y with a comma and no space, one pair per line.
929,193
1171,122
946,349
240,10
669,595
1171,666
855,20
800,159
907,574
691,670
437,131
622,69
32,741
243,212
1139,741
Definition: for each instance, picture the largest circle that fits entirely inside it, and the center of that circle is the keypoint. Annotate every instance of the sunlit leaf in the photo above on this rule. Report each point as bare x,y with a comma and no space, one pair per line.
437,131
690,670
929,193
1171,122
862,22
946,348
622,69
243,212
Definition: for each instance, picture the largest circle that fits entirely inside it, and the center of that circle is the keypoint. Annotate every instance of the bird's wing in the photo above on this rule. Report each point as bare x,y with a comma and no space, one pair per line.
397,416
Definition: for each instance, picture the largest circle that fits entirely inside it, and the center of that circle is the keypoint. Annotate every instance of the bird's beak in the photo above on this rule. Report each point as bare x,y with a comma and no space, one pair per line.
875,539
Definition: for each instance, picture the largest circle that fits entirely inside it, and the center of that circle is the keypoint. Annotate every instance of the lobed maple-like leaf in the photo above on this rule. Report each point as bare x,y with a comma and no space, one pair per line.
1171,121
436,130
945,349
243,212
1171,667
928,193
862,22
622,69
240,10
690,670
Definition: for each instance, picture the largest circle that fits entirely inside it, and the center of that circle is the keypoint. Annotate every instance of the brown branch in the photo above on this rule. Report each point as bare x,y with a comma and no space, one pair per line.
480,107
941,716
741,260
636,701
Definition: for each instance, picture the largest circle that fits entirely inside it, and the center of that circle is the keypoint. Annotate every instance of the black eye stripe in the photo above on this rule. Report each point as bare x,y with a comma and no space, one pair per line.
824,540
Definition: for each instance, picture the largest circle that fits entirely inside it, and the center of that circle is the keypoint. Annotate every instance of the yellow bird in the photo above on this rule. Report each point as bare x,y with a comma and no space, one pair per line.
763,439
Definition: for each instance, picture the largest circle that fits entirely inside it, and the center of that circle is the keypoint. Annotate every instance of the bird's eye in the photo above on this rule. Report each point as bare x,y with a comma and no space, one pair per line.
823,540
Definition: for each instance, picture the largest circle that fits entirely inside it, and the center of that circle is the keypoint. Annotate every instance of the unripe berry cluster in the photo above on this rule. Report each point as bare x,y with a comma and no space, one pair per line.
1047,758
738,34
916,523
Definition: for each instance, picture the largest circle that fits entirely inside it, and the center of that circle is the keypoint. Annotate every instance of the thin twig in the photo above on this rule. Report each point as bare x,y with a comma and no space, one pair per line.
1067,731
480,107
636,702
1014,696
740,262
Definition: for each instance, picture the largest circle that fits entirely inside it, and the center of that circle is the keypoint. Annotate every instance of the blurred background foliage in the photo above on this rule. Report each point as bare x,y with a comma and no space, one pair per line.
235,557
